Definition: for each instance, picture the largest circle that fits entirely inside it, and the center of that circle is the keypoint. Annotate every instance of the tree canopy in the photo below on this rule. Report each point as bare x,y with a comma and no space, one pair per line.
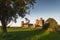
11,9
52,23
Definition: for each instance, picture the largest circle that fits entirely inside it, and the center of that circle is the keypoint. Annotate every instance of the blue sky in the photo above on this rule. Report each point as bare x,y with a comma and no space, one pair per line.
43,8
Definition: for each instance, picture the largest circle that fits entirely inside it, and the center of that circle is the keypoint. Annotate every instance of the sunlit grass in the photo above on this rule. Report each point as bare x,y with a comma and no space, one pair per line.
30,34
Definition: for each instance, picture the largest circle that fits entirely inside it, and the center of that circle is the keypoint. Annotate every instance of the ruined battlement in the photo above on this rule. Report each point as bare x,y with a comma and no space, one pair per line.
38,23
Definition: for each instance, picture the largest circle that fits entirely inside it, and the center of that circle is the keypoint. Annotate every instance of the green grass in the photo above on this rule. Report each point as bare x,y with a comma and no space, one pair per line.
30,34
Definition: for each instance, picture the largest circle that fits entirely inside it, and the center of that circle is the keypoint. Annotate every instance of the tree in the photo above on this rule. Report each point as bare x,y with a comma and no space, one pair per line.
52,23
12,9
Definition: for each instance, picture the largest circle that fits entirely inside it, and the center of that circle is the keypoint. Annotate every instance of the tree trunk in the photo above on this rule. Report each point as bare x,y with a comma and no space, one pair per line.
4,30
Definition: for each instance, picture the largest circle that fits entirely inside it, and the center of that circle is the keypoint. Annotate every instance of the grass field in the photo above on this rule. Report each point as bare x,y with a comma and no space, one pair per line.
30,34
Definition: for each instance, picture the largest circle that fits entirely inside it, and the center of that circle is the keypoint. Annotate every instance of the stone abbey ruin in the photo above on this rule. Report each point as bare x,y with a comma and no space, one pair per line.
38,23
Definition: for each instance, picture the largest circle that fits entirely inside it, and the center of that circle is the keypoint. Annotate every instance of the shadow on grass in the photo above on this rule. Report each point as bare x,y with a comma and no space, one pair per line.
23,35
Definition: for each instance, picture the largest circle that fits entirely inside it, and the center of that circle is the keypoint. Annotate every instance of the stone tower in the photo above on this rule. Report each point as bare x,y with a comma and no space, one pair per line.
41,22
22,23
37,21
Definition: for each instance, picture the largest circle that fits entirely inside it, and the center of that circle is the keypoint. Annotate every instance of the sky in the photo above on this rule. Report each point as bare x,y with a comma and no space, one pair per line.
42,8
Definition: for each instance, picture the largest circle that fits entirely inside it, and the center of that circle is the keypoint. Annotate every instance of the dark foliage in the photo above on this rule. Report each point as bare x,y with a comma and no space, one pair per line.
12,9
